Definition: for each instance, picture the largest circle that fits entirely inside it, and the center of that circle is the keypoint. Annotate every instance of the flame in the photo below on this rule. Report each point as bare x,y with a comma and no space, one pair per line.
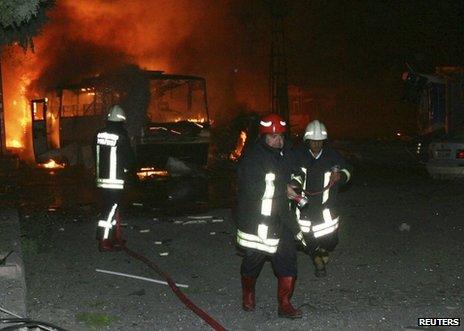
51,164
146,173
235,155
172,36
13,143
197,120
17,110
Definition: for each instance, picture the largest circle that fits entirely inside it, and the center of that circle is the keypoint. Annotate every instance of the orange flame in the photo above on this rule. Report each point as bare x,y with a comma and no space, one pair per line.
51,164
235,155
172,36
16,78
146,173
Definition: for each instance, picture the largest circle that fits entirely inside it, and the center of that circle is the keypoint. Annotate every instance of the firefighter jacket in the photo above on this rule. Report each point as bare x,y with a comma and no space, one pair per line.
113,156
262,204
320,218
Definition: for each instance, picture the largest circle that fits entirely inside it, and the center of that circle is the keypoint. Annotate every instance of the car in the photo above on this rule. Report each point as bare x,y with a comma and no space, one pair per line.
446,156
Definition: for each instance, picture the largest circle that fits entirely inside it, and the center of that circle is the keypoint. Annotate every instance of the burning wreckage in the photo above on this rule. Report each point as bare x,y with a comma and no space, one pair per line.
168,120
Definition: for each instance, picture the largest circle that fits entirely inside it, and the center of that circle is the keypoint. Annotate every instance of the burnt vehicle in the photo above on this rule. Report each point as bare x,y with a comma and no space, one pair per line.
440,110
168,120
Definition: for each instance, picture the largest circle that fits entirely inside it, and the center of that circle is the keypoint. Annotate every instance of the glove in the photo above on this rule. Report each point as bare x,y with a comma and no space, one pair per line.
335,175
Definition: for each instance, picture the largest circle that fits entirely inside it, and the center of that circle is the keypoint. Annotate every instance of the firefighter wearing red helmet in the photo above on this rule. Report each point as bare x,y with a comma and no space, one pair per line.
266,228
271,124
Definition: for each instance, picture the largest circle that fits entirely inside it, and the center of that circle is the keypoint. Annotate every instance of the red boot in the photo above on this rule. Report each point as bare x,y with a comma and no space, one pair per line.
105,245
286,285
248,293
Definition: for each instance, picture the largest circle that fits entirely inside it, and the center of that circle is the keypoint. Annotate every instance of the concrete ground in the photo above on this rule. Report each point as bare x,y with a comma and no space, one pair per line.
399,259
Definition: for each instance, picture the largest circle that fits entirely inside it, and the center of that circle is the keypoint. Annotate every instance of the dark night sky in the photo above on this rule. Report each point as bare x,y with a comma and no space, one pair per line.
339,40
361,47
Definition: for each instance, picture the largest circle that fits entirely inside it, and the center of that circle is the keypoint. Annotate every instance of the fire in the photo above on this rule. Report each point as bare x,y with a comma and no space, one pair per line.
17,73
51,164
13,143
146,173
197,121
170,36
235,155
21,121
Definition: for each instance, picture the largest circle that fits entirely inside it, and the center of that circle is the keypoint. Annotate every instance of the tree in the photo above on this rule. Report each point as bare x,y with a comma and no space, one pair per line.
20,20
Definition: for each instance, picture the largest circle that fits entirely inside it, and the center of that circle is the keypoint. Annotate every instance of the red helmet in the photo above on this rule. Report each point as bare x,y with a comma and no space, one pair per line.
272,123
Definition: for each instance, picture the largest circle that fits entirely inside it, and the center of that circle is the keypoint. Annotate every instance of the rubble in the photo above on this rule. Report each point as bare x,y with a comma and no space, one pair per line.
206,217
404,227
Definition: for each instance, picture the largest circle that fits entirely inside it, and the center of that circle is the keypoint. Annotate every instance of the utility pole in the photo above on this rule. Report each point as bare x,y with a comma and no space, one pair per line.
278,64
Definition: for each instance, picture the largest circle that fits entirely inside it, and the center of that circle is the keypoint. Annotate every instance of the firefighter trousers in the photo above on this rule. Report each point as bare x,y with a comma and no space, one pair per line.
284,261
108,199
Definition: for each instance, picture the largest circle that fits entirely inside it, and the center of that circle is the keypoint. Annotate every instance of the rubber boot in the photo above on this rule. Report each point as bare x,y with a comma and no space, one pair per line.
286,285
105,245
248,293
319,260
118,241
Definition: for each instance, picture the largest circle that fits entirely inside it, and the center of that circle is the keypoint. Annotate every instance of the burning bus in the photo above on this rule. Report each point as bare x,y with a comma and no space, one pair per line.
168,120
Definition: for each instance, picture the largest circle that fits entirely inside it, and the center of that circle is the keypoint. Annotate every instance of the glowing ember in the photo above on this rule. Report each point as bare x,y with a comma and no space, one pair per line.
145,173
51,164
235,155
197,120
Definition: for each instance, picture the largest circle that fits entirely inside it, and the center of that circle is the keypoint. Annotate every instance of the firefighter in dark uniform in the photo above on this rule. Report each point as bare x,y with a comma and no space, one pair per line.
266,226
323,170
114,158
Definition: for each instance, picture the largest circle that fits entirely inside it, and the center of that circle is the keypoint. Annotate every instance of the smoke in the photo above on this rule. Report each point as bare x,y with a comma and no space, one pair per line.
224,41
206,38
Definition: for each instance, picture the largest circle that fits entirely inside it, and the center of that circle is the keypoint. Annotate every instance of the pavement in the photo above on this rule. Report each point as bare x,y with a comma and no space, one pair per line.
399,259
12,273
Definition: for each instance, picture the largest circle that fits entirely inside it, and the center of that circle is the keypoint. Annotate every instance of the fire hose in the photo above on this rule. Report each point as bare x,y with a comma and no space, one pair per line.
19,323
309,193
182,297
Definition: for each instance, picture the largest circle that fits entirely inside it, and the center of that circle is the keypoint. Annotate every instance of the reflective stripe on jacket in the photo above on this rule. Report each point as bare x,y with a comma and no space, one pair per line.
262,209
113,157
320,216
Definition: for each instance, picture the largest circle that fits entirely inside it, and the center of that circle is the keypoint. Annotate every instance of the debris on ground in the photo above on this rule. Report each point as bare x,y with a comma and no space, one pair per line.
404,227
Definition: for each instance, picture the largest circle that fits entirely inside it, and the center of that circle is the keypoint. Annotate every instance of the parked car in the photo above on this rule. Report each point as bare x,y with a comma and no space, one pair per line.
446,156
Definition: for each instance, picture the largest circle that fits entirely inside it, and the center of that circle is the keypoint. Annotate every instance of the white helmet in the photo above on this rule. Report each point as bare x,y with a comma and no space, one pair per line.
116,114
315,130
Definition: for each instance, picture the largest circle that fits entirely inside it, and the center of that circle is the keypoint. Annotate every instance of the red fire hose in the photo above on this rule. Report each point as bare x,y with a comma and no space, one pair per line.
308,193
197,310
182,297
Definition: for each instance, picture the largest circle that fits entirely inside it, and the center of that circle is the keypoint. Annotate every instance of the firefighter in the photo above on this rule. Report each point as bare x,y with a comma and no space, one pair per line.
266,228
114,158
323,171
